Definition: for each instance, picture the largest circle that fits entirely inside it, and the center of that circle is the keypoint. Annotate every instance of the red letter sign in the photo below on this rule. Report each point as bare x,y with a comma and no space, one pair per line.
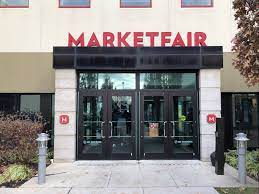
76,42
211,118
64,119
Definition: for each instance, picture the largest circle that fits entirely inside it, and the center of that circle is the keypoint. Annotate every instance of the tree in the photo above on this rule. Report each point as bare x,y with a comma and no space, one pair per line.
246,41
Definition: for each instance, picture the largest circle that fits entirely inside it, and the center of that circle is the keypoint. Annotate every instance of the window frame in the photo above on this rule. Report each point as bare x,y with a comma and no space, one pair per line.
16,6
123,6
77,6
197,6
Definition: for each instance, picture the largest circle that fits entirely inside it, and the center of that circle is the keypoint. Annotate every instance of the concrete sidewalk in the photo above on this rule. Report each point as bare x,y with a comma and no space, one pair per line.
132,177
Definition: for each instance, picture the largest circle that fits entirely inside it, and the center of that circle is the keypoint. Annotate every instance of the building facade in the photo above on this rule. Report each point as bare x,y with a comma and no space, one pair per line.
126,79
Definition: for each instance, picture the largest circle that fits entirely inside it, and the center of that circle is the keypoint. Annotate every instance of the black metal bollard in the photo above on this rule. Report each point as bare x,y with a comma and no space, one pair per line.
219,154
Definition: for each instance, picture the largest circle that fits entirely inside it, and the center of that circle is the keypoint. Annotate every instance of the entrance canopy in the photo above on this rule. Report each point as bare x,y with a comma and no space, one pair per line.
143,58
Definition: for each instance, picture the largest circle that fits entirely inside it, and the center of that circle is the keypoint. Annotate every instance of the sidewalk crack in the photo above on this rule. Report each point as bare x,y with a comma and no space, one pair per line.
108,182
170,173
69,190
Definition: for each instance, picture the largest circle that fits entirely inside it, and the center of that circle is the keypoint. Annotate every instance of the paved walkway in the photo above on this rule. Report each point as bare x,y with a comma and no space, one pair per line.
132,177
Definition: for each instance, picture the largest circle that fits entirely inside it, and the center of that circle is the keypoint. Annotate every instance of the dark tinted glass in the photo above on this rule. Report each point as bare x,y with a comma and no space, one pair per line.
167,81
115,81
245,109
121,124
154,124
9,102
182,124
92,122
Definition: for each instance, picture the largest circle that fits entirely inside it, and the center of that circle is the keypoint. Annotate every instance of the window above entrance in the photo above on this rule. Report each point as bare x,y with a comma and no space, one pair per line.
114,81
74,3
167,81
135,3
14,3
197,3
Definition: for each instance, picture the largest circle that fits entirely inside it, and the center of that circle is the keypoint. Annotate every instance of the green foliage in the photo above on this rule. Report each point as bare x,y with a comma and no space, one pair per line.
240,190
15,173
252,162
50,154
231,158
18,133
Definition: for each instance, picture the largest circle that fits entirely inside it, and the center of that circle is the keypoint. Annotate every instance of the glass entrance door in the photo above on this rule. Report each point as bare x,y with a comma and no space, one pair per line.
121,119
92,133
153,135
106,125
168,125
137,116
183,140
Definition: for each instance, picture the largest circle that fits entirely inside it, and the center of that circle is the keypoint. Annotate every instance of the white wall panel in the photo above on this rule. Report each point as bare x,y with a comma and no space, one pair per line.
44,25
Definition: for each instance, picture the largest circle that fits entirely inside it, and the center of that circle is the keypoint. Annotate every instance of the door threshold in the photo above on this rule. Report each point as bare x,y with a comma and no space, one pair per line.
135,162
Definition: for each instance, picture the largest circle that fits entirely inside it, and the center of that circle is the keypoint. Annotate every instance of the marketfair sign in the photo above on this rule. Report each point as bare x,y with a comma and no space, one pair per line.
138,39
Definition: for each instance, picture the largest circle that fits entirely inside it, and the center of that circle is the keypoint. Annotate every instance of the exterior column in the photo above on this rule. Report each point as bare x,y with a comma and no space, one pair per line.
210,103
65,104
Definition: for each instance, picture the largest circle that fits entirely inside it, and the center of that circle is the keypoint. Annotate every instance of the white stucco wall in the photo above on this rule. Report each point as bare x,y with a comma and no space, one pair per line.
44,25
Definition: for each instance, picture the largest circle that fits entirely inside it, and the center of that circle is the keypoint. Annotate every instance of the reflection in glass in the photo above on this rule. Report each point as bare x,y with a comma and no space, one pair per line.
115,81
167,81
183,124
74,2
14,3
246,117
135,3
154,129
30,103
189,3
121,124
92,122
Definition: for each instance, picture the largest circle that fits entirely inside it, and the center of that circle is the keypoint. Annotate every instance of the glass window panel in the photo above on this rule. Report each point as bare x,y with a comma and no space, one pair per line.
121,115
246,117
121,124
75,3
135,3
115,81
154,126
92,122
30,103
167,81
7,3
9,102
183,124
196,3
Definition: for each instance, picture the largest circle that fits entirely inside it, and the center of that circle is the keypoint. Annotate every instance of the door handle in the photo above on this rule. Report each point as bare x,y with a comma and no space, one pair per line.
111,128
173,122
164,128
102,123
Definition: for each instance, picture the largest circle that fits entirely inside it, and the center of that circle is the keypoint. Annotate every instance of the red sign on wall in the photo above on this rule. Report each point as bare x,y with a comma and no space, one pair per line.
211,118
64,119
136,39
